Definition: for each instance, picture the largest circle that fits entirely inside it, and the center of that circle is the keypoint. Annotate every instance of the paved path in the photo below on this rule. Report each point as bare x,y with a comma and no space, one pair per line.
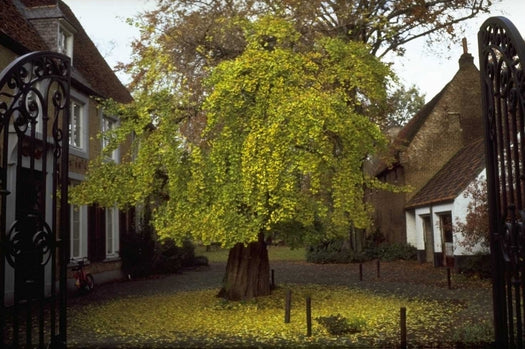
403,278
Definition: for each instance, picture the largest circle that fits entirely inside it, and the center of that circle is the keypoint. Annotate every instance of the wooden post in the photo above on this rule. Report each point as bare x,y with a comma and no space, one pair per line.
360,271
272,280
403,321
449,282
287,306
308,316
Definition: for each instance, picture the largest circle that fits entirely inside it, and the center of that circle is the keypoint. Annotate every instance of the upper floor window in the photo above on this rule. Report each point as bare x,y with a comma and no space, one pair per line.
77,128
108,124
65,41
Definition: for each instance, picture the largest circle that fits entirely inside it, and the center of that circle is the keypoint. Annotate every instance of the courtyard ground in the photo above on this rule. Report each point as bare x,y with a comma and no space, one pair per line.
407,279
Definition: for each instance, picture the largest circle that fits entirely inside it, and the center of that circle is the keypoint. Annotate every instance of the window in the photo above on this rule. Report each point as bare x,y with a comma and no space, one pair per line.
78,231
108,124
112,232
445,221
446,227
77,137
65,42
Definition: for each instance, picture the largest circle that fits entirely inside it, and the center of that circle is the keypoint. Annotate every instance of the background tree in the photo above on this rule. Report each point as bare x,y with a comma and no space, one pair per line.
181,39
475,227
403,104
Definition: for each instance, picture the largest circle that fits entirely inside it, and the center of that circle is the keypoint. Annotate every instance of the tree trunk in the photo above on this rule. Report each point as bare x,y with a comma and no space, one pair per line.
247,272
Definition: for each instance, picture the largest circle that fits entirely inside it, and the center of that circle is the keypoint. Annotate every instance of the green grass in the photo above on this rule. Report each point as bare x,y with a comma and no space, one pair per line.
200,319
275,253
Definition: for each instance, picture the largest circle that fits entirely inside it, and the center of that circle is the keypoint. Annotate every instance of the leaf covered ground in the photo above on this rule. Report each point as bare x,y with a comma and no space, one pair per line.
436,316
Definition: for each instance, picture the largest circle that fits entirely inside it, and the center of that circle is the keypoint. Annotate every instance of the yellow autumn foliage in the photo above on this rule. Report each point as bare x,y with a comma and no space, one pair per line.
199,319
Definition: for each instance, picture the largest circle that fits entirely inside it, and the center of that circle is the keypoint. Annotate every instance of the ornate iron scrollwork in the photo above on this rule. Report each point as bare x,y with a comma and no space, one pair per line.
34,125
41,241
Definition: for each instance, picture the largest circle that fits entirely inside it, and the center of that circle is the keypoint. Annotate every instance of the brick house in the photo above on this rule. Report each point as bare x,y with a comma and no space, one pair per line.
442,139
40,25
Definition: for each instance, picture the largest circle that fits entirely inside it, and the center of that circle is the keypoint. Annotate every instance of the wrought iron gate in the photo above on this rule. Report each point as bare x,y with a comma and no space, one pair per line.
502,54
34,215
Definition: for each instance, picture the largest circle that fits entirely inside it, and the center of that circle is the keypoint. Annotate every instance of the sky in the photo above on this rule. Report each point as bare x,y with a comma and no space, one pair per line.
429,68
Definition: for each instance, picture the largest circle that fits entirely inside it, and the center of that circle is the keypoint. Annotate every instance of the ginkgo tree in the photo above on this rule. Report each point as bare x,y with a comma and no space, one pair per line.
287,130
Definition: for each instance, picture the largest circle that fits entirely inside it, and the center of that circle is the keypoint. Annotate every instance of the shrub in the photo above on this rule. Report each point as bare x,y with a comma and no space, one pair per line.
332,251
475,334
335,251
393,251
142,255
338,325
137,250
478,264
171,258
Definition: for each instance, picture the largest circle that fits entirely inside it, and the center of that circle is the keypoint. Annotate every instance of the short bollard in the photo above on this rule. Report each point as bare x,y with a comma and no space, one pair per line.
449,281
287,306
272,280
403,324
308,316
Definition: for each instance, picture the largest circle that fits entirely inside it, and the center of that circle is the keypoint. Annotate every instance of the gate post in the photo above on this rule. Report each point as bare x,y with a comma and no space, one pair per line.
502,55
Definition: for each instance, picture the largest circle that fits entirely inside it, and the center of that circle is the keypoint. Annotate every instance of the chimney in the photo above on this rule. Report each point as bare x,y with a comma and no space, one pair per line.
466,58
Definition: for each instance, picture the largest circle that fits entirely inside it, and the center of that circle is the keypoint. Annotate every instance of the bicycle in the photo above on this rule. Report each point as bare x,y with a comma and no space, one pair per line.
84,282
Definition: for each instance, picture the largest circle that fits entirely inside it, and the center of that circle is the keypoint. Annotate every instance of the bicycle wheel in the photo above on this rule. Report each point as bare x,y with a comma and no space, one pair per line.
90,282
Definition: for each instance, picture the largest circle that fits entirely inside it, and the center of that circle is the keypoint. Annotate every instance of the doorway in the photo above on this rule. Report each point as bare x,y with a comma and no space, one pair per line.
447,237
428,239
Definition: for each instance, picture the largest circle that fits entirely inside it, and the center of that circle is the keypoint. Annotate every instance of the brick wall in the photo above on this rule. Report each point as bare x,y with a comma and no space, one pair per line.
387,218
454,122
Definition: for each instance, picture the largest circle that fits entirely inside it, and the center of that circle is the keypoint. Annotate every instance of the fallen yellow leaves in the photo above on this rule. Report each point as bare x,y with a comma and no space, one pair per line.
199,318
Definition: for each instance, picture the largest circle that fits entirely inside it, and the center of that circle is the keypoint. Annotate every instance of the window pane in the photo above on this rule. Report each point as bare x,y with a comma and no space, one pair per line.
75,128
109,124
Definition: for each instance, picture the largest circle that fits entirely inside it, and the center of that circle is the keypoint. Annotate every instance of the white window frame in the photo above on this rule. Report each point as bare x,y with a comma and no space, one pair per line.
112,232
78,245
108,123
80,146
65,40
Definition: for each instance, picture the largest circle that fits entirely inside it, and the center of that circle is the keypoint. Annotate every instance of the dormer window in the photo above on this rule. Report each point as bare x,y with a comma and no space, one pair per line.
65,41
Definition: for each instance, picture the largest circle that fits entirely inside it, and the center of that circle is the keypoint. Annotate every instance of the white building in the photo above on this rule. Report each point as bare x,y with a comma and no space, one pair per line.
434,211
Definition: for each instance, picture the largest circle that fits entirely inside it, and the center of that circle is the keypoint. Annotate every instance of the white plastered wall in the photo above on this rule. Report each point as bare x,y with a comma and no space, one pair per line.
460,213
458,209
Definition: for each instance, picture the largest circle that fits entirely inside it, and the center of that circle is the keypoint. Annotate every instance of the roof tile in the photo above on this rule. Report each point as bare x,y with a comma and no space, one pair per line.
453,178
90,68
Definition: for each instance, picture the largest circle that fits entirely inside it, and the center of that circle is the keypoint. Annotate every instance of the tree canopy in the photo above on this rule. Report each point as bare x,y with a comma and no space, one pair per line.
256,116
284,142
181,40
